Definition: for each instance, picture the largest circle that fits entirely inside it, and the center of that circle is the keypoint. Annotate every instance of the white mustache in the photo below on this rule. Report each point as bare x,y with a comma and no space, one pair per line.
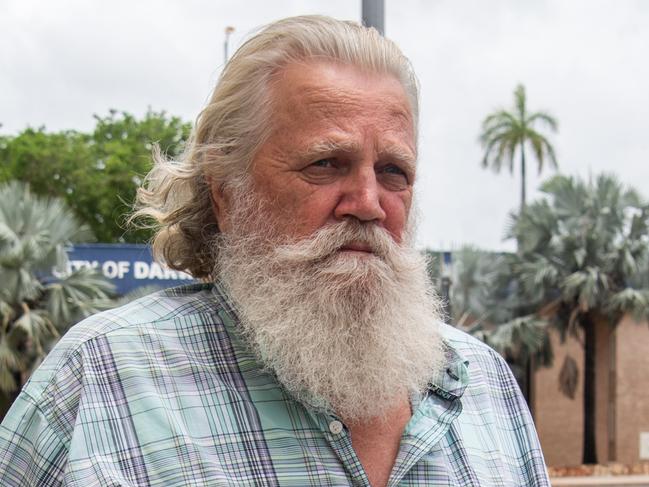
331,238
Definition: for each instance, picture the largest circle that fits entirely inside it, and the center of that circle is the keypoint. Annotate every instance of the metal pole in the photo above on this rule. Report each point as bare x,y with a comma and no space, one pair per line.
228,30
374,14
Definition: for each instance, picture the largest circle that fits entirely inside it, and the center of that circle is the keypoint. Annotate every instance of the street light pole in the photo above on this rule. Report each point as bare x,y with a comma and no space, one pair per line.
374,14
228,30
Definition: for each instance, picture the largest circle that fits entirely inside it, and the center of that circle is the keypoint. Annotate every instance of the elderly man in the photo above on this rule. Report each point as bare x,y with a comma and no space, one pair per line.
314,355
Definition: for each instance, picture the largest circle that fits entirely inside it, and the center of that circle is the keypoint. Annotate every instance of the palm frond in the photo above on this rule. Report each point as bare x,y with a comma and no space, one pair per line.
542,148
629,300
506,133
499,117
77,295
495,151
520,101
33,234
543,117
521,337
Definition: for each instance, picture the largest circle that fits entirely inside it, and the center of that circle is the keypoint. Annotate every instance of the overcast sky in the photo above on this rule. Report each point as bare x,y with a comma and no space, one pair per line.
585,61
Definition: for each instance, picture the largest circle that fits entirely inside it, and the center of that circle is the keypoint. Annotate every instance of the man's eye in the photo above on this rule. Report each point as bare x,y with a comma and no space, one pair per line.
323,163
321,171
392,169
394,177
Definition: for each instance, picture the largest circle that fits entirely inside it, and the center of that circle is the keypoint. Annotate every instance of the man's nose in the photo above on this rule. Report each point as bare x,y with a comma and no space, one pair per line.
361,197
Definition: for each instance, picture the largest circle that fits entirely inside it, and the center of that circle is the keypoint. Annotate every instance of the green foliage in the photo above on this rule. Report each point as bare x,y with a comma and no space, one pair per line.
582,252
35,307
519,338
582,248
472,275
508,133
583,255
483,305
97,174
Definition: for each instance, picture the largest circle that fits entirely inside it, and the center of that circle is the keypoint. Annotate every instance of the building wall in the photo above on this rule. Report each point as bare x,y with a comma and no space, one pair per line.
602,391
559,419
622,397
632,388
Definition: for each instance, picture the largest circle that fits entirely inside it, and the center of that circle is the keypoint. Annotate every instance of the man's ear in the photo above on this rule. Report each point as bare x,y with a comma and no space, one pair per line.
220,201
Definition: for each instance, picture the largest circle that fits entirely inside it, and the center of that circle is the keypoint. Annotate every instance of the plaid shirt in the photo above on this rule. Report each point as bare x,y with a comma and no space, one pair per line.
163,392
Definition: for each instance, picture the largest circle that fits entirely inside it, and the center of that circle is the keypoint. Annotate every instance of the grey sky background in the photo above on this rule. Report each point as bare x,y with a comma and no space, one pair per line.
585,61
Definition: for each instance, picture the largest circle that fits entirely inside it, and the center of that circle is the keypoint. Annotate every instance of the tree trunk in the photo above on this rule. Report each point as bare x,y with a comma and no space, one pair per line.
522,175
590,446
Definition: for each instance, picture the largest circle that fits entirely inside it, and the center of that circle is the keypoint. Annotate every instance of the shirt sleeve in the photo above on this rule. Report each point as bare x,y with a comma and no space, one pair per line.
31,452
522,427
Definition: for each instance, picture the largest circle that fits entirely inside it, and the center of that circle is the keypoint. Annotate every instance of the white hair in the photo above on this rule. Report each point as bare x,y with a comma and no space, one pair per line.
176,196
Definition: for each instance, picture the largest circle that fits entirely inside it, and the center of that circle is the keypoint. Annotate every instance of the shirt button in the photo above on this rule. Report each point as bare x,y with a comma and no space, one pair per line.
336,427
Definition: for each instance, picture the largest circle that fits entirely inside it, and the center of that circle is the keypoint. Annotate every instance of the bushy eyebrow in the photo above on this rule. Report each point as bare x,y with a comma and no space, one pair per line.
329,146
397,152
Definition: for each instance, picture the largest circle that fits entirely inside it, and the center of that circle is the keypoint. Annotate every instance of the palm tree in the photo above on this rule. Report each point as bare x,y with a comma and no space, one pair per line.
36,307
581,253
504,134
484,306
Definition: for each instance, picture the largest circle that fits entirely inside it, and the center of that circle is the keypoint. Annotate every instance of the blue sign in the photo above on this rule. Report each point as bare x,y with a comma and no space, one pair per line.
128,266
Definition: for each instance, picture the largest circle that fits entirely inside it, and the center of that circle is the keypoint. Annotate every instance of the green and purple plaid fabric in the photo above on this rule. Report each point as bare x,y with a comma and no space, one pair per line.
163,392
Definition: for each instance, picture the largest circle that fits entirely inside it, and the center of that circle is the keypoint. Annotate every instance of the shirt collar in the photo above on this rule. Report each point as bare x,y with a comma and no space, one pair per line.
450,380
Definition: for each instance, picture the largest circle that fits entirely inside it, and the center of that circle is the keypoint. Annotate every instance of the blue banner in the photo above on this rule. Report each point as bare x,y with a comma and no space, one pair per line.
128,266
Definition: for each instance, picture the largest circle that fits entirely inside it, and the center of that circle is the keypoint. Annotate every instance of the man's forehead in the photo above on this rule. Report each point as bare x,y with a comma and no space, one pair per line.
322,93
326,88
333,101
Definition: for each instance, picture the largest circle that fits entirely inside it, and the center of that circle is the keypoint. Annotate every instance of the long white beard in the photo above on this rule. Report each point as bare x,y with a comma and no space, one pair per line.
345,332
